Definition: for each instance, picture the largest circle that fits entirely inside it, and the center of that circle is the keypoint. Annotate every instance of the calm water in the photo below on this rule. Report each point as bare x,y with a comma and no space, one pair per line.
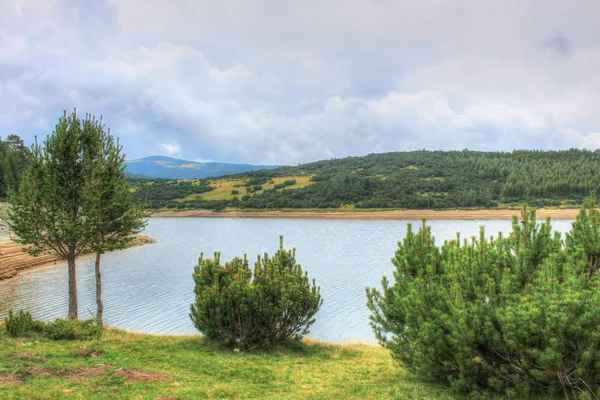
149,288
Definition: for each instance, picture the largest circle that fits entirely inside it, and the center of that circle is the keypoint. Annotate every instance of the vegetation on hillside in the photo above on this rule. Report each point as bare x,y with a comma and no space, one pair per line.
517,314
13,160
414,180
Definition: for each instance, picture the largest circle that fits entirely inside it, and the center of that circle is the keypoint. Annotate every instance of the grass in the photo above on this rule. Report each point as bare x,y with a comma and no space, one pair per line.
125,365
134,366
223,187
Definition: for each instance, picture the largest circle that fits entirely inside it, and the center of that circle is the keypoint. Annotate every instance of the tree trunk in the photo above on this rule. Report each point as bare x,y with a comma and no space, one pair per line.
73,310
99,304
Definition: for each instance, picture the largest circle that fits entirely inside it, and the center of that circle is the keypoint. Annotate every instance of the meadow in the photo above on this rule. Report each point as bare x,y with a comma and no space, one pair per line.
135,366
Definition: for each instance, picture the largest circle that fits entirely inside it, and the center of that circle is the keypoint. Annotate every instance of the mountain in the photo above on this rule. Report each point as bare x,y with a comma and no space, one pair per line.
173,168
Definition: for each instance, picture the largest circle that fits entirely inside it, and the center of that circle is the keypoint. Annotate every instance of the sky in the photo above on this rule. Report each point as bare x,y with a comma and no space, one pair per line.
287,82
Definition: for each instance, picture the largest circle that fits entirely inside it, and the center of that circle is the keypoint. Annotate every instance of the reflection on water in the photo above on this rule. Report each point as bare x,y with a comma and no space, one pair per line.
149,288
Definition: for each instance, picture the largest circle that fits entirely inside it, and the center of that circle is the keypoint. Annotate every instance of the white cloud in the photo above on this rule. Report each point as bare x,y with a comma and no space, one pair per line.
590,141
172,149
283,82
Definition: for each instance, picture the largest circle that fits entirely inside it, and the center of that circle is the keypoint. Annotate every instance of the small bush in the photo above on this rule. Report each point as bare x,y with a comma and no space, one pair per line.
517,315
63,329
20,324
247,309
234,192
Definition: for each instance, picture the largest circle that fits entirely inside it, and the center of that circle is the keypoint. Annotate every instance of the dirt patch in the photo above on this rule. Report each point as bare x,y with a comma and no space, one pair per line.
137,375
82,374
26,356
9,379
88,353
76,375
169,398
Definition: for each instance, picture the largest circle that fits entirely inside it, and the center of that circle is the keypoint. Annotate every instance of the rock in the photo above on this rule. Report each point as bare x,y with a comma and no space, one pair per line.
4,231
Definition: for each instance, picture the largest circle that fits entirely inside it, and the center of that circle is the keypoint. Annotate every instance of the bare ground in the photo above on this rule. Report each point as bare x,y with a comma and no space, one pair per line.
379,215
82,374
14,260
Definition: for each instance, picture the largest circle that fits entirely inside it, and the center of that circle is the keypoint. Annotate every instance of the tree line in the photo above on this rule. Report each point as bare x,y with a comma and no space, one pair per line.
13,160
413,180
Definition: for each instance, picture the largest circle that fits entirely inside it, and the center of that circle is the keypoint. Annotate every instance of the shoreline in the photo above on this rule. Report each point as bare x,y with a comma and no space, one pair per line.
489,214
18,262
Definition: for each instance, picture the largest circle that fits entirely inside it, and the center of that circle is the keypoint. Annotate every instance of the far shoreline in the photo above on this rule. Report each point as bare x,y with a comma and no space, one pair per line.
483,214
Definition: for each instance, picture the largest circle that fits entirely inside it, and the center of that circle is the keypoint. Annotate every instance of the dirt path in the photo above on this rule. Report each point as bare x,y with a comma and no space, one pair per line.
14,260
391,214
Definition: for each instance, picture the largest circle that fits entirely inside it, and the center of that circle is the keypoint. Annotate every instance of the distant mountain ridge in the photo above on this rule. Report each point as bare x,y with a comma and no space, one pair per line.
173,168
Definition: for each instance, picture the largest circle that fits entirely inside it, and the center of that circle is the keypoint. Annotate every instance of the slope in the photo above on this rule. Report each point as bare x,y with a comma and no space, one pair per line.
400,180
173,168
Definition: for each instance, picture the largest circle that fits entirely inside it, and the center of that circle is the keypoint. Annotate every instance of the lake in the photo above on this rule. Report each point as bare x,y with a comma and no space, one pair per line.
150,288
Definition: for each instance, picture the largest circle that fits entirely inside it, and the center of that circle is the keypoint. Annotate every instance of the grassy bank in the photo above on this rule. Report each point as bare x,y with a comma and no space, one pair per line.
132,366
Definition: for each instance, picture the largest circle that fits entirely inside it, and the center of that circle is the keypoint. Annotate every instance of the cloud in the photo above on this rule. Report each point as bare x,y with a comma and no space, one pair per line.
561,44
278,82
590,141
172,149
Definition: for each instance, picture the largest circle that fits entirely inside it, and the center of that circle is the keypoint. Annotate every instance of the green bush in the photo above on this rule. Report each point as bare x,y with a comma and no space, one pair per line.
63,329
515,315
247,309
20,324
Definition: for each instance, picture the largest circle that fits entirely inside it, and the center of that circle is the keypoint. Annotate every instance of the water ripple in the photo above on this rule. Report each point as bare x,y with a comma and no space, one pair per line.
149,288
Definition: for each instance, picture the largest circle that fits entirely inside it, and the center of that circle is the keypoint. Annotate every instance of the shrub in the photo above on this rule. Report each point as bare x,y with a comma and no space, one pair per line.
515,315
247,309
63,329
18,325
235,192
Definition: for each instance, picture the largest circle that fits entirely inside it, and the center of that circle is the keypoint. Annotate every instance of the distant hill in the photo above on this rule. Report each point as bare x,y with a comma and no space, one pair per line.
412,180
173,168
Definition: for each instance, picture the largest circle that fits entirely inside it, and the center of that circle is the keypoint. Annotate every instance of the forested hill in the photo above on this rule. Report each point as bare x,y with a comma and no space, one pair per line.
418,179
13,159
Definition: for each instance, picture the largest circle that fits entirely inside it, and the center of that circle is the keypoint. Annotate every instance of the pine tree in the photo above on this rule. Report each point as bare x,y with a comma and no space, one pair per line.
46,211
246,308
517,315
12,162
113,220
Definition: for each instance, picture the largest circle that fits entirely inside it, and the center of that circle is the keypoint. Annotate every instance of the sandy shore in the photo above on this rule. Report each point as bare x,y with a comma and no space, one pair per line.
14,261
389,214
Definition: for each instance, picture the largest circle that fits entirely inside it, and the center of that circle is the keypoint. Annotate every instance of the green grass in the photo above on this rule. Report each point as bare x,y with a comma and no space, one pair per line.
223,187
134,366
